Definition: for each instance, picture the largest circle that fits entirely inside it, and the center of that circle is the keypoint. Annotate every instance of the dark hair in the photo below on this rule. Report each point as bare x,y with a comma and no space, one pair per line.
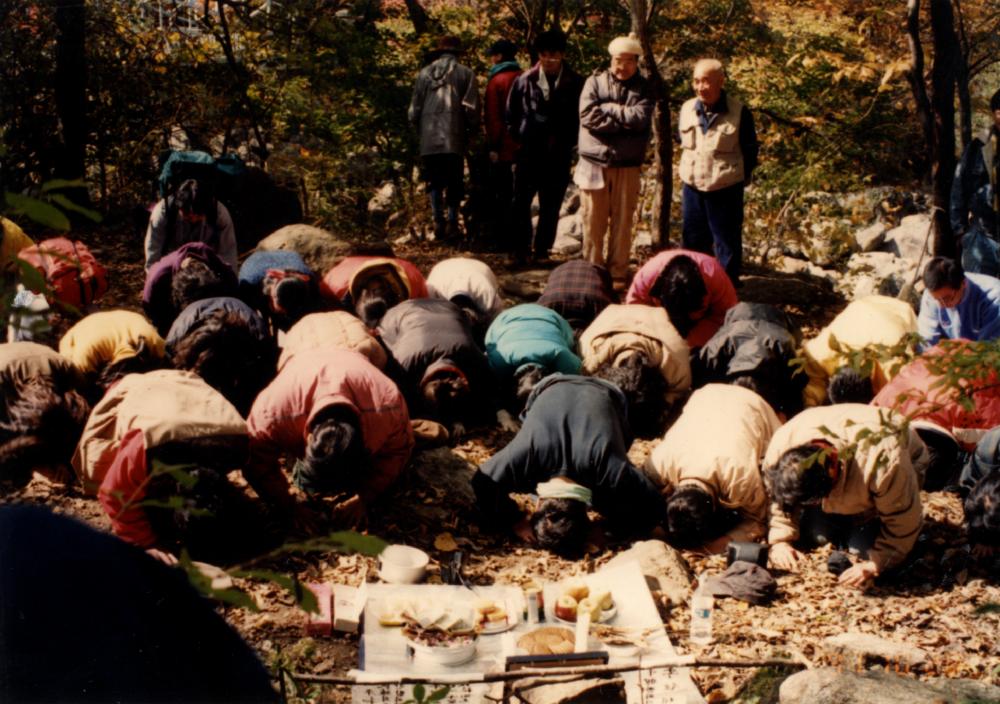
525,378
945,458
848,385
39,426
336,458
288,300
561,526
371,307
690,511
192,197
223,349
193,281
995,102
680,289
941,272
644,388
551,40
982,511
505,48
144,360
793,483
449,398
477,319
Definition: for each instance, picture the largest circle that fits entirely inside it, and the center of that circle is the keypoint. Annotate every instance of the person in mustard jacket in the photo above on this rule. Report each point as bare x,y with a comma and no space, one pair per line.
708,466
858,473
332,330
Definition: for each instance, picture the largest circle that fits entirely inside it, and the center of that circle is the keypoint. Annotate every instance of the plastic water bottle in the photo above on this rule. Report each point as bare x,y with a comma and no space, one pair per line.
702,604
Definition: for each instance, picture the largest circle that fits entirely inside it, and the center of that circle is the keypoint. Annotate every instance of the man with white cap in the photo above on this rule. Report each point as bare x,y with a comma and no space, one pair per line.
718,155
615,115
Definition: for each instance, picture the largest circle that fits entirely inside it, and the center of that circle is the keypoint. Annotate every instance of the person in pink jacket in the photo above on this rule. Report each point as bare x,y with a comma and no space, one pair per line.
693,287
344,418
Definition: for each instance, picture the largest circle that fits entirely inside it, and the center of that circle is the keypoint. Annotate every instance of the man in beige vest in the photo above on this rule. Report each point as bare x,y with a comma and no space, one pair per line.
718,156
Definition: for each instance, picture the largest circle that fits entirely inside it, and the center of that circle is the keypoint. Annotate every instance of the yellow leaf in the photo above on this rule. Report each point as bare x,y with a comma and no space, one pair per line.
445,543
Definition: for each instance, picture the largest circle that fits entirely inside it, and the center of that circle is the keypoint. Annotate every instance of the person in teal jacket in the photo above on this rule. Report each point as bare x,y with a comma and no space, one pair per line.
526,343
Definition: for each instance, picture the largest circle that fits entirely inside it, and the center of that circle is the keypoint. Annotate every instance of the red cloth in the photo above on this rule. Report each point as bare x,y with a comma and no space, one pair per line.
721,294
125,483
311,381
495,107
920,393
337,281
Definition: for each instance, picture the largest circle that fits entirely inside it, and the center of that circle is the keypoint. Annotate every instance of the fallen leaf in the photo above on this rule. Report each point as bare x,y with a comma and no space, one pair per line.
445,543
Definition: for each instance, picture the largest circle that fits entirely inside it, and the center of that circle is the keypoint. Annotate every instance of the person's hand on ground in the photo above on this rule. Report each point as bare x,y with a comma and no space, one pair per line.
506,421
351,512
785,557
860,575
163,556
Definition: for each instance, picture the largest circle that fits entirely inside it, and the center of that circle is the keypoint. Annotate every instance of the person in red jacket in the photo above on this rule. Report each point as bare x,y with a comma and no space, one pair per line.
502,147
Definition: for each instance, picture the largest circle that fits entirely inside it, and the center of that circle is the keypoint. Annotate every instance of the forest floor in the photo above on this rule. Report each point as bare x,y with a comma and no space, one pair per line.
932,606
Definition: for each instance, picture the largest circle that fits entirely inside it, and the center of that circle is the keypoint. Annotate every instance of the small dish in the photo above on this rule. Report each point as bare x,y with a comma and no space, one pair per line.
606,615
402,564
457,652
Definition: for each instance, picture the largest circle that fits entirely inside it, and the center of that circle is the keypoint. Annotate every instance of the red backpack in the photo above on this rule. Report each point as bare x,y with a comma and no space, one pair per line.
71,273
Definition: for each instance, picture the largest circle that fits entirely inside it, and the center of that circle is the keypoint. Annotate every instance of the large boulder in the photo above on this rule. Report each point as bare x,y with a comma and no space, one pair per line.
876,273
831,686
571,202
870,238
665,569
320,249
382,204
866,648
569,235
911,239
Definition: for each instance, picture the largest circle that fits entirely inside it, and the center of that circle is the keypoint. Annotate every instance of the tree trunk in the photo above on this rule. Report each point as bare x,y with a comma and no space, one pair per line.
71,92
242,81
418,16
962,77
946,60
663,144
915,76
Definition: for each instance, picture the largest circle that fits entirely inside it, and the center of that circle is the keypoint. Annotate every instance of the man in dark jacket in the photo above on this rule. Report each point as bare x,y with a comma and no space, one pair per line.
542,114
615,115
572,450
444,108
975,200
501,144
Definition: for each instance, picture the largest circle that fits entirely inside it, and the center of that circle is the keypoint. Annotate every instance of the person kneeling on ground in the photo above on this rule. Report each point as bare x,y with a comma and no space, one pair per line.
226,343
956,305
637,348
182,277
708,465
280,286
852,469
370,286
332,330
693,287
982,516
572,450
578,291
472,286
343,420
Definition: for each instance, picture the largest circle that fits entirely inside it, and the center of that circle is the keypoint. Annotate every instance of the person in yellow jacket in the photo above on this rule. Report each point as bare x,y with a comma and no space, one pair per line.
107,345
708,468
857,472
333,330
868,321
662,372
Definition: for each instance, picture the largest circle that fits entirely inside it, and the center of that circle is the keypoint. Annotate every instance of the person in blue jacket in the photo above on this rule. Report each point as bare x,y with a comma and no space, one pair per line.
956,305
572,451
526,343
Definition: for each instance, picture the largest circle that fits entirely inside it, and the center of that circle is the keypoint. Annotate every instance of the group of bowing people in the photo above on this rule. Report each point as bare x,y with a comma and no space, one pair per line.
344,372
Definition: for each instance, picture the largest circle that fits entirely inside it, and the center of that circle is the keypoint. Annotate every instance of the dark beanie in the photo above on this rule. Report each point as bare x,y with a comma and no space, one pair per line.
506,48
995,102
551,40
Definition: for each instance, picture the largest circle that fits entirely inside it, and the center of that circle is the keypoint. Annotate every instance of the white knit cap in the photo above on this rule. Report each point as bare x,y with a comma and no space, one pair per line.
625,45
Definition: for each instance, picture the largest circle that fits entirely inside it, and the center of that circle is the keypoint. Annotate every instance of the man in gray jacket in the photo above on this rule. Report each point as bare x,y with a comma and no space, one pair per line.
615,114
445,108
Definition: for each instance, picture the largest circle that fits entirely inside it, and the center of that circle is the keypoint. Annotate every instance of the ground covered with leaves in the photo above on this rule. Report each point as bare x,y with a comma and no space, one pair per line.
940,603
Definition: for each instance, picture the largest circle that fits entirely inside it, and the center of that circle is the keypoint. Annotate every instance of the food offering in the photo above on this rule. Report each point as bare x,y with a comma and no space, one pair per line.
548,640
577,598
441,635
494,617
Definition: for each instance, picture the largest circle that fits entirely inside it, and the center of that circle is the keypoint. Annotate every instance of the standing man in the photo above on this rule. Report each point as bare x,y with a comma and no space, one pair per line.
718,156
445,107
615,115
975,201
542,114
501,145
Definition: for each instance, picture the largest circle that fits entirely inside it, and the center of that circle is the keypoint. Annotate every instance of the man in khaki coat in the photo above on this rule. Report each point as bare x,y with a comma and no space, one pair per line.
718,156
858,474
708,468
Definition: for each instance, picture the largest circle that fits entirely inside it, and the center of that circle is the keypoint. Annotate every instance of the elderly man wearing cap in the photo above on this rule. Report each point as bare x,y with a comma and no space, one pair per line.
542,114
501,144
615,115
975,200
718,156
444,107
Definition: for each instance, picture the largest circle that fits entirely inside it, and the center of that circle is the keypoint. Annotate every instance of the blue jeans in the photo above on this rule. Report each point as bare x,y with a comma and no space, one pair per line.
713,220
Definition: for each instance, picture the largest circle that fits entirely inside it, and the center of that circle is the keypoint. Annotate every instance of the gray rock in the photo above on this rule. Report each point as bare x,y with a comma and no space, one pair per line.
381,204
525,284
569,235
831,686
320,249
870,238
665,568
868,648
910,239
589,691
571,202
791,265
870,273
446,474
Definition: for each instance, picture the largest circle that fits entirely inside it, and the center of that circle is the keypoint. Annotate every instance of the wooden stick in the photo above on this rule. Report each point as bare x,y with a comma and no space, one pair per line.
677,661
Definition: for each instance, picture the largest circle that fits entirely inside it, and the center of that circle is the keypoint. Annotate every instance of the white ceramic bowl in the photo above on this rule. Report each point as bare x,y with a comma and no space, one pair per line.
448,656
402,564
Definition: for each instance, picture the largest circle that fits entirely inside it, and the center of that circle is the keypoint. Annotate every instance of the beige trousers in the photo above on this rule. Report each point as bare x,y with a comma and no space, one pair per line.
615,205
